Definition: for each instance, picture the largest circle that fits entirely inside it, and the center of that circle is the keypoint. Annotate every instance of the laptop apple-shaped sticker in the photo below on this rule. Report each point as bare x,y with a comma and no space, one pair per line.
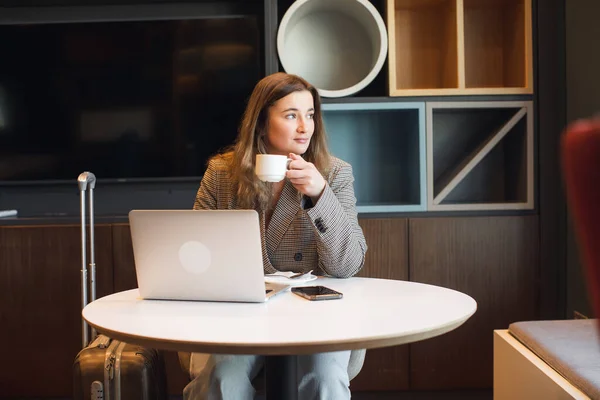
194,257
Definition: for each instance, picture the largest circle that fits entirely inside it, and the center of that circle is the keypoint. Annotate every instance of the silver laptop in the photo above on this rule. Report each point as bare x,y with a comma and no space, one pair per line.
209,255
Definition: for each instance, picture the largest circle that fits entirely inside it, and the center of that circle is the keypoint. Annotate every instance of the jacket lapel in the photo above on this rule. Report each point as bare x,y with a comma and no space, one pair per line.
285,211
267,266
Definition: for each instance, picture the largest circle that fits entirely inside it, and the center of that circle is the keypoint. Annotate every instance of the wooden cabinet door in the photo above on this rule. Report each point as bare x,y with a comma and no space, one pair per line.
40,305
492,259
387,258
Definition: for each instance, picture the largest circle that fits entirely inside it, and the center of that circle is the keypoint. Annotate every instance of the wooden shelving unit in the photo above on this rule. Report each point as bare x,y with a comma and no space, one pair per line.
459,47
480,156
385,144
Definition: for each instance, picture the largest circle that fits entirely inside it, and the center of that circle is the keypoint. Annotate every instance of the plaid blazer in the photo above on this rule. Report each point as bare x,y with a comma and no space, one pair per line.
325,237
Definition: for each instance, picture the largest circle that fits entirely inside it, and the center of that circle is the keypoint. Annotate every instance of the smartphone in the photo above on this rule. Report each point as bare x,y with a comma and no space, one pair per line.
316,292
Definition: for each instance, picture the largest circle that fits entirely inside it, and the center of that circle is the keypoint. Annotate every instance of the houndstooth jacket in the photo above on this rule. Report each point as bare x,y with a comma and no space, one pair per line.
325,237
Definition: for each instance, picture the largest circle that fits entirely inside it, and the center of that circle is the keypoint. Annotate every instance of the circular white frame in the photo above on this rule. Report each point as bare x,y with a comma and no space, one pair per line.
289,21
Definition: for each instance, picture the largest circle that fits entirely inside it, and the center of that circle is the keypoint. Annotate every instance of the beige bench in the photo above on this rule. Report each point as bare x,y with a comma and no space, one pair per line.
547,360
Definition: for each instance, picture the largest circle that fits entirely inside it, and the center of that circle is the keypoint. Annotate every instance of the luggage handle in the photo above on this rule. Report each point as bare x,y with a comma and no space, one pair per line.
87,180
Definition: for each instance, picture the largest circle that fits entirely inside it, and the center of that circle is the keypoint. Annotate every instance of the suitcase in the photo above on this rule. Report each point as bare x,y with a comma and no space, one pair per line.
110,369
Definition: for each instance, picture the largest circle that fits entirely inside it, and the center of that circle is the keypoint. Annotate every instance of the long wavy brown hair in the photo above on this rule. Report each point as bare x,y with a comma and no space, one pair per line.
252,192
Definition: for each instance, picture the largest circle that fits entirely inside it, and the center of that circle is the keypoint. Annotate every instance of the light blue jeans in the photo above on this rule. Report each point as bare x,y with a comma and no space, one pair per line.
322,376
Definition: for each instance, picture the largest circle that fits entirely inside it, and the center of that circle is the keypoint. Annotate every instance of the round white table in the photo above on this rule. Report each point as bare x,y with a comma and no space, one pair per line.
372,313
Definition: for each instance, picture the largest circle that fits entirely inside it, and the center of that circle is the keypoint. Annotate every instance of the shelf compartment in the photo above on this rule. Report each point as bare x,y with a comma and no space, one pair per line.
497,37
385,144
460,47
480,156
314,39
422,36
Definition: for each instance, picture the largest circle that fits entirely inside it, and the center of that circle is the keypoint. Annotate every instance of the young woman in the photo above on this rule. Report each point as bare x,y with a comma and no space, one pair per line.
308,222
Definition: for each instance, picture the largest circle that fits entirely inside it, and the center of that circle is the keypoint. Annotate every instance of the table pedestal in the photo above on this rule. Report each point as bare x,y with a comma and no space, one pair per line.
281,377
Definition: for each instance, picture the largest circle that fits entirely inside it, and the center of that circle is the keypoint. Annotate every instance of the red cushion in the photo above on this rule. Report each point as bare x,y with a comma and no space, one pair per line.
581,168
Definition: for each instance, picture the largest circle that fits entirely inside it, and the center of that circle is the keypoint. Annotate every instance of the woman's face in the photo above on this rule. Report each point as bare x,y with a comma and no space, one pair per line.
291,124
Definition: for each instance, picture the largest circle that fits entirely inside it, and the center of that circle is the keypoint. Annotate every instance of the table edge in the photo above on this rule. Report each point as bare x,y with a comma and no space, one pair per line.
283,349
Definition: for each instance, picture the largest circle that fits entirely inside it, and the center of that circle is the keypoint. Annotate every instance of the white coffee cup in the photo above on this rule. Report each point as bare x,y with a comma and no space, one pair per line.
271,167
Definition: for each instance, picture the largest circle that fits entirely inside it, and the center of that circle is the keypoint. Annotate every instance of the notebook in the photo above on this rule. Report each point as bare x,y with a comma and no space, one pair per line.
203,255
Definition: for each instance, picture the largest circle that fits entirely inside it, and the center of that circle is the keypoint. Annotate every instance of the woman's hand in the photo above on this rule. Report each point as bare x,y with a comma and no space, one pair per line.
305,177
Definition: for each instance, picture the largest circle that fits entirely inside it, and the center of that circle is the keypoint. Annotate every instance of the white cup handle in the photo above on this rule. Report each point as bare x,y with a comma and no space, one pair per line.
287,163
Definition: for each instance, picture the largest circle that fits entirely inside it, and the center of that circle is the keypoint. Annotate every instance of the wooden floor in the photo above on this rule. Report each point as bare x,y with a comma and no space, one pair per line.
454,395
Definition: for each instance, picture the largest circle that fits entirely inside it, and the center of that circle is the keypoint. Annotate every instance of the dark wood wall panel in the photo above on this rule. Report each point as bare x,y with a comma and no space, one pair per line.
387,258
492,259
125,279
387,254
40,305
125,276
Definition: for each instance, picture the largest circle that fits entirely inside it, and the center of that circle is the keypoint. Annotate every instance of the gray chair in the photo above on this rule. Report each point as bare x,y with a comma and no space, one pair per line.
357,359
